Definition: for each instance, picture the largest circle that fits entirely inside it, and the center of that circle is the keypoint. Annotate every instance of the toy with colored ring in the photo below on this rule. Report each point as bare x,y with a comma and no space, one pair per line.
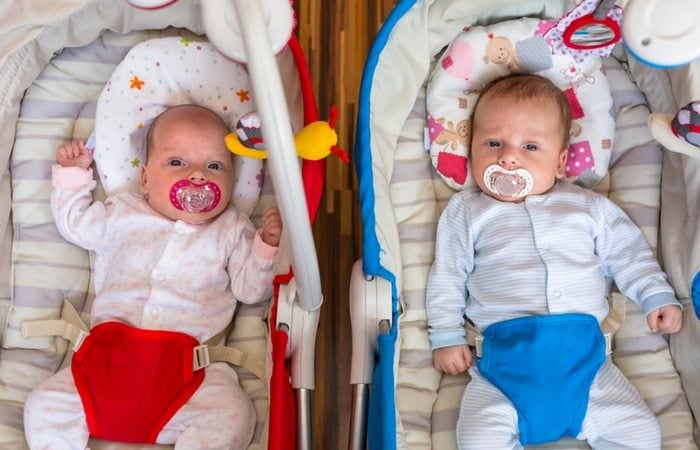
314,142
589,20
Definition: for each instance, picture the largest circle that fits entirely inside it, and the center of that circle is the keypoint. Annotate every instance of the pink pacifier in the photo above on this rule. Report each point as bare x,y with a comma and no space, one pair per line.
508,183
195,198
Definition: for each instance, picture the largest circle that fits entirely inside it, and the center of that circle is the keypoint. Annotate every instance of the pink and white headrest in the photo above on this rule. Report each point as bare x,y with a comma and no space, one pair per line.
482,53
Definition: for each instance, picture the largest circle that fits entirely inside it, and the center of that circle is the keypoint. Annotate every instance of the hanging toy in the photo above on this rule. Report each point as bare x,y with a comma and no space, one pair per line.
591,28
315,141
679,133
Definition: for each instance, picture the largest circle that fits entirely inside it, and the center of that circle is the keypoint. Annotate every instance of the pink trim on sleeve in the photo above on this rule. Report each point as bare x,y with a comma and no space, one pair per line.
70,177
262,249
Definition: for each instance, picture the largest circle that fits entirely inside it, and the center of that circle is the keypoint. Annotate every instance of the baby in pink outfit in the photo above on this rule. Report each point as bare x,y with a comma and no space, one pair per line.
175,258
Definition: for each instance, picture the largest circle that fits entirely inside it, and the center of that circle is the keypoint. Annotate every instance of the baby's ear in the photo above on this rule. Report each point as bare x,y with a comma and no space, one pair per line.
561,164
144,180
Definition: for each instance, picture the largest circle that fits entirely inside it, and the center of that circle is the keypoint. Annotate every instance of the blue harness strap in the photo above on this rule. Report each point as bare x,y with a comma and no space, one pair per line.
545,365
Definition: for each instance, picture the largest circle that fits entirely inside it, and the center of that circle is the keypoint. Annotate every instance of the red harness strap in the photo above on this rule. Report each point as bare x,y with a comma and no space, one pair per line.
132,381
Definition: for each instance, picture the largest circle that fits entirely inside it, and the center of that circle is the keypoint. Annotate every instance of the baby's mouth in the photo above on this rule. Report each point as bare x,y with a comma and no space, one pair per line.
508,183
195,198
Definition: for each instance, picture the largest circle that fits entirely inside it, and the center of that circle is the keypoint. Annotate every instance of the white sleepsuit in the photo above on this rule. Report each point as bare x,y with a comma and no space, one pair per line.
155,273
549,254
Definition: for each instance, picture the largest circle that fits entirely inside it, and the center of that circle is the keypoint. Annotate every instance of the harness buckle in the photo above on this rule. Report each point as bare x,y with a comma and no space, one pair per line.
608,343
479,346
200,358
82,334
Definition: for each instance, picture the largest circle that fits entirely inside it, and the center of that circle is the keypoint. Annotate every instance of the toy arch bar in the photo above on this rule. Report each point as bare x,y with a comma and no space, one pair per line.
243,41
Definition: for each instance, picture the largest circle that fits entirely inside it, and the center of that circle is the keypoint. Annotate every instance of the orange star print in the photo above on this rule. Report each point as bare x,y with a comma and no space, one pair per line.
136,83
243,95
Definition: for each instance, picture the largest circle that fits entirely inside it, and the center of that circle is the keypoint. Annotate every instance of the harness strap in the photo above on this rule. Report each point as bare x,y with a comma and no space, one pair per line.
206,354
608,326
616,315
71,327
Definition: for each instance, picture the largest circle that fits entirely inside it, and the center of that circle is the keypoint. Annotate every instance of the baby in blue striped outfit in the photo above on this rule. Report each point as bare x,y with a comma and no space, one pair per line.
529,260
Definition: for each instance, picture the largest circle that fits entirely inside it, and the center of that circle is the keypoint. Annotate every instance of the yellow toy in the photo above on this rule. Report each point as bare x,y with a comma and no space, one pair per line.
315,141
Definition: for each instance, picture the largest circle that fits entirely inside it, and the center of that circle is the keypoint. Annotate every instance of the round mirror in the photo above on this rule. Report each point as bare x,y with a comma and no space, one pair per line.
587,33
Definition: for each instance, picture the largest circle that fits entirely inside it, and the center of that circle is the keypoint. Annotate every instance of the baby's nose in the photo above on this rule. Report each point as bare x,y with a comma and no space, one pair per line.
197,177
508,160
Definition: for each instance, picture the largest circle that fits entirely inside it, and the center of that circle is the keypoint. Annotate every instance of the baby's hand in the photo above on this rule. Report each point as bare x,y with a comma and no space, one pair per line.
453,360
74,154
272,227
667,319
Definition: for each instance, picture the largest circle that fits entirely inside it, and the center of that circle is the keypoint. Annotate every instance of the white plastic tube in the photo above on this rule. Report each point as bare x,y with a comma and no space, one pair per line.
276,127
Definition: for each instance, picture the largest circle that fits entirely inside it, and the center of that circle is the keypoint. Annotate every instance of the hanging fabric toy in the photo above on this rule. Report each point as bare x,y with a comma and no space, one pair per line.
591,28
314,142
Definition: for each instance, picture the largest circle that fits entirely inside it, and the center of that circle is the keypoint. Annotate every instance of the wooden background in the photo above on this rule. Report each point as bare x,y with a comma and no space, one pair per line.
336,36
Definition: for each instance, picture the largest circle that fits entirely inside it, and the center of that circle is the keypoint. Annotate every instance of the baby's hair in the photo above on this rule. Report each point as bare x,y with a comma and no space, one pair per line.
527,86
149,134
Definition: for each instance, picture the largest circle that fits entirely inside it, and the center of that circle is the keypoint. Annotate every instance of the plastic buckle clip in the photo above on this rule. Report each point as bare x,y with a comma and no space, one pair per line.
82,334
200,358
479,346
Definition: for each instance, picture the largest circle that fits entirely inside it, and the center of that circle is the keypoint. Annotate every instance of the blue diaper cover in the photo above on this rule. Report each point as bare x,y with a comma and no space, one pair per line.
545,365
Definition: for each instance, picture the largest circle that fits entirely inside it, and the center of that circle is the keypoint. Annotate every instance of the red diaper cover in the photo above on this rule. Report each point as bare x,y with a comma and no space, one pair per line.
132,381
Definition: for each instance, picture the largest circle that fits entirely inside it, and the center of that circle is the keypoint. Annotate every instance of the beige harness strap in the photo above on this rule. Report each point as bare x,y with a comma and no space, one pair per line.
616,315
207,354
608,326
71,327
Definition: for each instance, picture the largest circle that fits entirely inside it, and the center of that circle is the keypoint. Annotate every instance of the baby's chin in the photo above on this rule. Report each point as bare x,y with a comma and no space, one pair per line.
174,214
502,198
517,199
196,218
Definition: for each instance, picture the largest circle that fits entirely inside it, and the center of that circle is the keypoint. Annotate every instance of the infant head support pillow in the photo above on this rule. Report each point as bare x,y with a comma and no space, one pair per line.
158,74
480,54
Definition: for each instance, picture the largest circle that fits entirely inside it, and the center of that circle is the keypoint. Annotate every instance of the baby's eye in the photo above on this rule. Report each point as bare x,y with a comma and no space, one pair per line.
215,166
175,162
493,144
531,147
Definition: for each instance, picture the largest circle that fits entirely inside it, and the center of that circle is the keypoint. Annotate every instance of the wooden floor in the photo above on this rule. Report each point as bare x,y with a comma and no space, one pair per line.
336,35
